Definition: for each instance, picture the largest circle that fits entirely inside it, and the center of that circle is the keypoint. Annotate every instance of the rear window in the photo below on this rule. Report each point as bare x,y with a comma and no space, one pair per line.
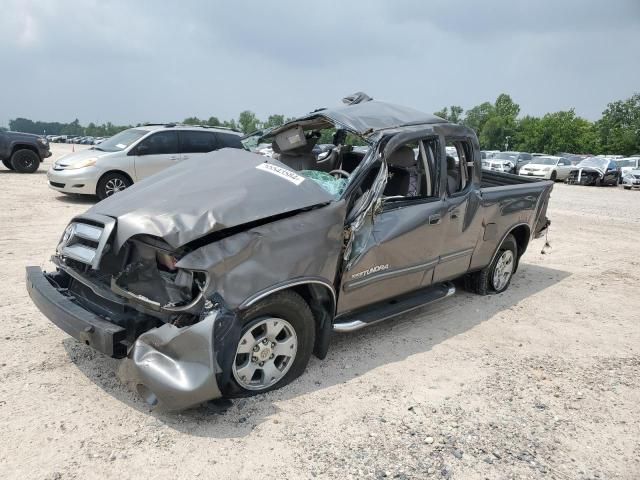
228,140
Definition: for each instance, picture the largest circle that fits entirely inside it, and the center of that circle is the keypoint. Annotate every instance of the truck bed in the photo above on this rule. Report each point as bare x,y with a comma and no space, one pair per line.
497,179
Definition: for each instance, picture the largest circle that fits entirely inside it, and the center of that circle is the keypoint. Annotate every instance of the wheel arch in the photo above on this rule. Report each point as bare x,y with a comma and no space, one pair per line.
24,146
321,297
121,172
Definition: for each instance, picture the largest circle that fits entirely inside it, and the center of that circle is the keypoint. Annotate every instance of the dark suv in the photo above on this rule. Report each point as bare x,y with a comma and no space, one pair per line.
23,152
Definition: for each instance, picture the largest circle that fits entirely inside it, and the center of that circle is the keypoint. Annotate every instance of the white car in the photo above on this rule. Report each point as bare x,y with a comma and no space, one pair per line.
628,164
631,179
547,167
134,154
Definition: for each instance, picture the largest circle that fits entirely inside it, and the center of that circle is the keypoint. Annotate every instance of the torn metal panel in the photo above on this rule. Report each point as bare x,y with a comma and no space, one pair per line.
305,245
226,188
175,367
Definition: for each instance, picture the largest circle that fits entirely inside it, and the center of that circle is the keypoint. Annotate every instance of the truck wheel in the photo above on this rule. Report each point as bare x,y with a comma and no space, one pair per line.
111,183
7,163
25,161
496,277
275,345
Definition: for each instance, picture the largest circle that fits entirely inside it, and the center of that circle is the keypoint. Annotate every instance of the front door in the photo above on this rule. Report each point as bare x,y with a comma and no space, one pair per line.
155,153
395,246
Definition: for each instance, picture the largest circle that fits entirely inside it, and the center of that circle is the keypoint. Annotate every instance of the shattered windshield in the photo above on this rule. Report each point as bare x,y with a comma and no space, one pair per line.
600,163
335,186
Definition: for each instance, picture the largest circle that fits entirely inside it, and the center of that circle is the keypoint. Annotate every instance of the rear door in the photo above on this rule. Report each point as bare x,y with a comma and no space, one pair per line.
156,152
196,143
462,217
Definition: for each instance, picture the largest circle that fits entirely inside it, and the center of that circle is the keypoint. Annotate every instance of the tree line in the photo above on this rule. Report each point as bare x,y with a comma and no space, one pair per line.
498,126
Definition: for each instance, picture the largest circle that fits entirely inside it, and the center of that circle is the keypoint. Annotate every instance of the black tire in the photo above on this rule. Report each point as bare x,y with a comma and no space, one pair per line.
7,163
25,161
109,183
482,282
627,188
553,177
289,306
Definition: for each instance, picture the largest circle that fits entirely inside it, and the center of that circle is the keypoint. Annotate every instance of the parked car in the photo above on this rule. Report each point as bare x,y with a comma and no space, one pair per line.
548,167
631,179
134,154
594,171
220,278
501,162
628,164
23,152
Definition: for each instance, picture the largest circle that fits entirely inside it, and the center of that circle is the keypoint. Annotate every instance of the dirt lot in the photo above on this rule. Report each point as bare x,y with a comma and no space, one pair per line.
542,381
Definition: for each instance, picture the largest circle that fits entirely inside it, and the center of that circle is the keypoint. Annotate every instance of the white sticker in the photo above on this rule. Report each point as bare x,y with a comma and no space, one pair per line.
281,172
121,145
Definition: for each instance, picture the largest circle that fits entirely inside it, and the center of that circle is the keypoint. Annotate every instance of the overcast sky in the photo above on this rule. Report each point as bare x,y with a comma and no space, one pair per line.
135,61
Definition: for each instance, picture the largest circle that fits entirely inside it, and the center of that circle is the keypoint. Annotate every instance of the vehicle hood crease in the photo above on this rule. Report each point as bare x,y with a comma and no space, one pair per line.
203,195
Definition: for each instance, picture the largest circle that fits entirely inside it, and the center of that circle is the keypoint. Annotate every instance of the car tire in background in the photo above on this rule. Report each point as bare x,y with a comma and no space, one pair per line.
110,183
25,161
554,176
274,347
7,163
495,278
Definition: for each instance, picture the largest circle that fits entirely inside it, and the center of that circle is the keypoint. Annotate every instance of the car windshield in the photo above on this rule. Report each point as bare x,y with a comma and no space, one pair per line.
594,162
545,161
505,156
121,140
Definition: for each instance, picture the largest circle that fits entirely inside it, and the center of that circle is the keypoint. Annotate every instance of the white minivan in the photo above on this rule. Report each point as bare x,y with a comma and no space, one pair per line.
134,154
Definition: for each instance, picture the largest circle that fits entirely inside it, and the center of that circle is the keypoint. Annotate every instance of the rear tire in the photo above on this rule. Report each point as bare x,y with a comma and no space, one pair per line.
25,161
7,163
299,327
111,183
495,278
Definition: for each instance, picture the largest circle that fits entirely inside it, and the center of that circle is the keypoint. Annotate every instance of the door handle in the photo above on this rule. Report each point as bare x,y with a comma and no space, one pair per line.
434,219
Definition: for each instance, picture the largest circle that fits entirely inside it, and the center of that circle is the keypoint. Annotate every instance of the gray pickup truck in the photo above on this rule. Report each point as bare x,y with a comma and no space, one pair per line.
23,152
219,277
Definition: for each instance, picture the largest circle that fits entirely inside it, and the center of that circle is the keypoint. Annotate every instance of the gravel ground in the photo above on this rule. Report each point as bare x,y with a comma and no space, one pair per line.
542,381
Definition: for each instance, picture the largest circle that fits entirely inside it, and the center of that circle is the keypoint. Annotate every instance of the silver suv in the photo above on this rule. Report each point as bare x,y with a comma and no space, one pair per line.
134,154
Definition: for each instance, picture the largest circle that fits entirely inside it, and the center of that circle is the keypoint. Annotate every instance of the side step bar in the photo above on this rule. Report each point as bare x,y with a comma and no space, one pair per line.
392,308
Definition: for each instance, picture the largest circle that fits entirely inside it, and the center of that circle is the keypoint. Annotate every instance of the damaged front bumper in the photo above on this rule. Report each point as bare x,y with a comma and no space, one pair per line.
172,367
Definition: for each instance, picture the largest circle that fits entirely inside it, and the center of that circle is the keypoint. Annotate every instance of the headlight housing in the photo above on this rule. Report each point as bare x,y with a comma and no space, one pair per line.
546,169
88,162
43,141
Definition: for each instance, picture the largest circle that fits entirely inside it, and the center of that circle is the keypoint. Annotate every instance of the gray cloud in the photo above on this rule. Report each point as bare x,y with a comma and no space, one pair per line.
127,62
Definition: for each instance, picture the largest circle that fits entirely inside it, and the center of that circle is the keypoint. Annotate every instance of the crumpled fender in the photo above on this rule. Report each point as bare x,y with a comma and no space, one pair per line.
175,368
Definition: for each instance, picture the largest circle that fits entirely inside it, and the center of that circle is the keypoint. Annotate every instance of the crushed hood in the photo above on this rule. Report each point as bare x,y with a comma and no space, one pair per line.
223,189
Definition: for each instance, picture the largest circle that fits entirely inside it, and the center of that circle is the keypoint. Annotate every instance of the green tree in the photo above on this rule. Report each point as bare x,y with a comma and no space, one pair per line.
619,127
273,121
477,116
213,122
193,121
248,121
452,113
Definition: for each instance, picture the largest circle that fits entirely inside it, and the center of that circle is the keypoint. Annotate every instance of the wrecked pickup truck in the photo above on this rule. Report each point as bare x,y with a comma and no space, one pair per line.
221,279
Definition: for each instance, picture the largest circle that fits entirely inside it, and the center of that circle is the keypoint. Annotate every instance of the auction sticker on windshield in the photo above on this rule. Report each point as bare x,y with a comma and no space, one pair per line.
281,172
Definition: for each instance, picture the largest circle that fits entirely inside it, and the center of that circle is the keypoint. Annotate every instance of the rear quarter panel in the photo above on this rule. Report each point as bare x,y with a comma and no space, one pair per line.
503,209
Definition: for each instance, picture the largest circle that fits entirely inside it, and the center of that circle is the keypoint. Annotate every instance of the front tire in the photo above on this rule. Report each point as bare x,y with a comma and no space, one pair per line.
495,278
25,161
111,183
7,163
274,347
553,177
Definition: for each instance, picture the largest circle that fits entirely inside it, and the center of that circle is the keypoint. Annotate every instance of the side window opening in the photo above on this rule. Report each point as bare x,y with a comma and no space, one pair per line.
161,143
412,173
459,165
